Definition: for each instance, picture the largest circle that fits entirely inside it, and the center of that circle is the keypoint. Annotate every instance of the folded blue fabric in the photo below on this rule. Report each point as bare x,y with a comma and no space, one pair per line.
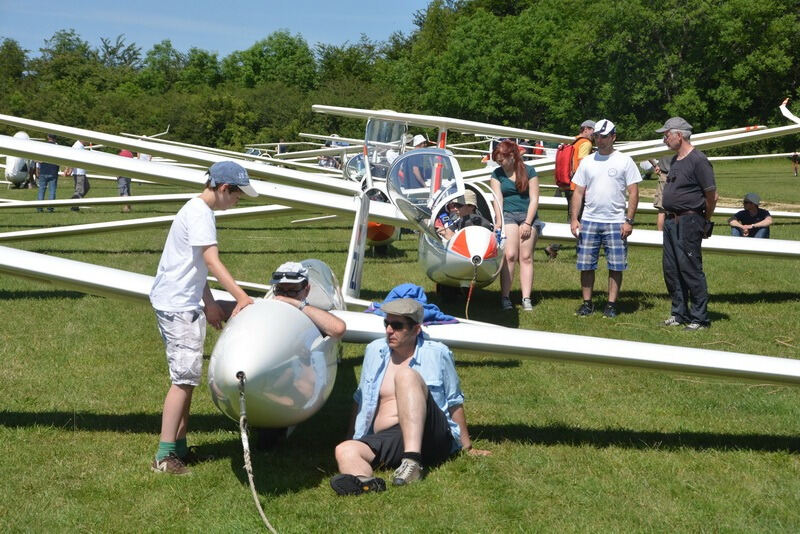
433,315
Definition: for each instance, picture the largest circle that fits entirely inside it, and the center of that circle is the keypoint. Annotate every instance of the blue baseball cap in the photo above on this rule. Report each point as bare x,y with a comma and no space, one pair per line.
229,172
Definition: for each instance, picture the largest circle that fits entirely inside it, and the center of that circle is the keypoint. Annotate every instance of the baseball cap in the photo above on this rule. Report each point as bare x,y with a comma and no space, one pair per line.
229,172
604,127
675,123
290,272
406,308
752,197
418,140
587,124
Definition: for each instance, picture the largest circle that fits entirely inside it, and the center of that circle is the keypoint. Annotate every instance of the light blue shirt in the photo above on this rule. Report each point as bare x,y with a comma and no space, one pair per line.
432,360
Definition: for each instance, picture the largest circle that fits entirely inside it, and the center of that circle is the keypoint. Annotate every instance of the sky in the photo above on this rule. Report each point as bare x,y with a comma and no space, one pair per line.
216,26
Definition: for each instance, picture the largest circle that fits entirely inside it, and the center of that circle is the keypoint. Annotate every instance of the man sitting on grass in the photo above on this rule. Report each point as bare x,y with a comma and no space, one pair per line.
752,221
409,409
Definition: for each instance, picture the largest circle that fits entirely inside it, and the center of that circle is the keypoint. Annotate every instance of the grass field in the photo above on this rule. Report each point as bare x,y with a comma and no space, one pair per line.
575,448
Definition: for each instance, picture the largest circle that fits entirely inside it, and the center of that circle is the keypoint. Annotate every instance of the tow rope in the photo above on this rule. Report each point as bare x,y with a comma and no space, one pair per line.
246,450
471,287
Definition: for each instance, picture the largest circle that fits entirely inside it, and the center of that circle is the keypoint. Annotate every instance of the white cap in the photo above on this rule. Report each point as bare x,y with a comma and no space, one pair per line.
604,127
290,272
418,140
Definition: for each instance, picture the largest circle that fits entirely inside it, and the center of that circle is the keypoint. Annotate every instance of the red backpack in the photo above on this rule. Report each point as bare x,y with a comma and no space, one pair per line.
566,163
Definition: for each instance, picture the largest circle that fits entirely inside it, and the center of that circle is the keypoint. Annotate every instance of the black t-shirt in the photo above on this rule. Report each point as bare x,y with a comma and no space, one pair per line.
687,182
744,216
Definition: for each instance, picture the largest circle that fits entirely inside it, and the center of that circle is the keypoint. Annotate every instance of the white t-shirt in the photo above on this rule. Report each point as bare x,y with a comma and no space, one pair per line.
182,272
606,179
79,146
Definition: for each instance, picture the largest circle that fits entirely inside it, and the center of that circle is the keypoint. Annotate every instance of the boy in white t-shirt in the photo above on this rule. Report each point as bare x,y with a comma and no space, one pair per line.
183,302
602,179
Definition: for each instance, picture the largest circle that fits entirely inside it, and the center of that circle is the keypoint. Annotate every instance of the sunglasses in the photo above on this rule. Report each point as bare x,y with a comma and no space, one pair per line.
279,290
396,325
233,188
455,205
279,275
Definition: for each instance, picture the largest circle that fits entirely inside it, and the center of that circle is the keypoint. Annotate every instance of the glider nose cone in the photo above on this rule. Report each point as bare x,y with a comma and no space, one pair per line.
474,243
287,369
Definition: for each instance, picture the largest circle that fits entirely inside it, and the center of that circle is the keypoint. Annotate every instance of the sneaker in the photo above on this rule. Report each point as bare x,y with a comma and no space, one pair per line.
691,327
585,309
506,304
352,485
408,472
527,305
171,465
610,312
672,321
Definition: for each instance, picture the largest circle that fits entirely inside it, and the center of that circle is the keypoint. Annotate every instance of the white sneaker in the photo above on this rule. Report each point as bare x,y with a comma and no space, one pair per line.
408,472
527,305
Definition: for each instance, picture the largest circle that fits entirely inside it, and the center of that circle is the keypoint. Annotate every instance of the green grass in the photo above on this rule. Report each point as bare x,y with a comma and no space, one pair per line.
576,448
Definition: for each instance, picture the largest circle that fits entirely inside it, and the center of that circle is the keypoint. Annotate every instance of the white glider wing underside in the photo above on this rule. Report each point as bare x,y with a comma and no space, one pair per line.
469,336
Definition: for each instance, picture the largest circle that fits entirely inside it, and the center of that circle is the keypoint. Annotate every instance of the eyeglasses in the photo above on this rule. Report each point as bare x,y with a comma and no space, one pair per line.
456,205
668,133
396,325
293,292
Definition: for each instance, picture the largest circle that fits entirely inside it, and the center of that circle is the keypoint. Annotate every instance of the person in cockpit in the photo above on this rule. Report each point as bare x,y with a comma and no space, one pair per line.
465,214
290,285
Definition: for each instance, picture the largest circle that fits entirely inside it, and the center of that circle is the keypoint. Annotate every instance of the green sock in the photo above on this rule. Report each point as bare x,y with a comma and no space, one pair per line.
181,449
164,448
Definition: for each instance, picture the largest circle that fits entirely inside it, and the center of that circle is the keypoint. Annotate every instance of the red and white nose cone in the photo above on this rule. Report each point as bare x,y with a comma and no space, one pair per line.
381,234
474,243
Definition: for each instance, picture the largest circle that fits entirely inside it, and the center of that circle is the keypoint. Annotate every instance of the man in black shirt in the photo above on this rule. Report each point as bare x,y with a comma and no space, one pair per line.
752,221
689,199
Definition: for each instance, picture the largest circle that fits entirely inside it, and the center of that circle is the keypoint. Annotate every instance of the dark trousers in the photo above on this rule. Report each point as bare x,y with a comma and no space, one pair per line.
682,263
567,193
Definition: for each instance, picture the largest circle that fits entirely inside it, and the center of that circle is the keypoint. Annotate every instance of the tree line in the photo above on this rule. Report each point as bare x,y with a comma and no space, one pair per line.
525,63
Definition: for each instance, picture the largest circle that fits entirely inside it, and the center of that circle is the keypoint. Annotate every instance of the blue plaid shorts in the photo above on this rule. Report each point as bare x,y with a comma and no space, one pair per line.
592,236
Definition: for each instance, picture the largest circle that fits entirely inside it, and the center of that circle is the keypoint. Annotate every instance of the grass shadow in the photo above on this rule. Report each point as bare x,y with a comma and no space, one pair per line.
633,439
54,294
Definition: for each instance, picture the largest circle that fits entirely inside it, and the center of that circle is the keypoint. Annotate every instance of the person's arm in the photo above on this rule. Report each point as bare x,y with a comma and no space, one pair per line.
218,269
763,223
457,413
498,201
575,207
633,204
711,202
327,323
526,229
734,222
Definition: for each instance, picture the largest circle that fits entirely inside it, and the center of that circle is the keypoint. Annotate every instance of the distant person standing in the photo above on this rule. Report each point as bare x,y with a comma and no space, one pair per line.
47,176
123,183
582,147
602,181
79,177
795,162
752,221
690,196
661,170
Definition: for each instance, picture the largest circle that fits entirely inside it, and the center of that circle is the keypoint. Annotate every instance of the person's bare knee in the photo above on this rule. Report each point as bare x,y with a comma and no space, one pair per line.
406,379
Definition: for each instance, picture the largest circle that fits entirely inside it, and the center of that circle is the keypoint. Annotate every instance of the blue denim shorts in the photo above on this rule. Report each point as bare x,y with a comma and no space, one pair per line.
592,236
519,217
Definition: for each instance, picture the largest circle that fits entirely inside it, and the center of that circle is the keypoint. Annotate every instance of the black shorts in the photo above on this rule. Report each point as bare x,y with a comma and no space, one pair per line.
437,441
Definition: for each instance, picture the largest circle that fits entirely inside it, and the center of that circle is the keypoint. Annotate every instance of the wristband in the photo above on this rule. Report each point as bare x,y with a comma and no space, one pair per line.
303,304
529,224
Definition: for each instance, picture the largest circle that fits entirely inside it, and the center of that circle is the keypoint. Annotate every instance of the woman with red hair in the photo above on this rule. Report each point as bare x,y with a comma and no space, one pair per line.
516,190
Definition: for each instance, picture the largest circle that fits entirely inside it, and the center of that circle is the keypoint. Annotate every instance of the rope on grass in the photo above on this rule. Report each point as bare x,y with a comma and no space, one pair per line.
471,288
246,450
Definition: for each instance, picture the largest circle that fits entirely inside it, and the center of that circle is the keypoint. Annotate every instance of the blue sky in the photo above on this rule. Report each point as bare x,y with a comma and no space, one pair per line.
217,26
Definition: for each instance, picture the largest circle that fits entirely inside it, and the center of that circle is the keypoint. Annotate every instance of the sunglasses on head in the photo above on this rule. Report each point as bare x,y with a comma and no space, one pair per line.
279,275
396,325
